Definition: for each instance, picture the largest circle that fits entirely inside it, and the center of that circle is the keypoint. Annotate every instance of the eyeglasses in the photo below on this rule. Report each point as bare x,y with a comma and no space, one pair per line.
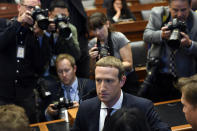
62,71
27,6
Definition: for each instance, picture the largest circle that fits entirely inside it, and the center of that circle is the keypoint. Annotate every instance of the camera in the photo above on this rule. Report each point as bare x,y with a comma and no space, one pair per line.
152,67
41,16
62,105
61,21
176,27
42,89
63,102
103,50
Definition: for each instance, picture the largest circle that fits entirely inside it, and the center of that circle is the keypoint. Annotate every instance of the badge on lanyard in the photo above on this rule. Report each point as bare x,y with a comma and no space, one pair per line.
20,52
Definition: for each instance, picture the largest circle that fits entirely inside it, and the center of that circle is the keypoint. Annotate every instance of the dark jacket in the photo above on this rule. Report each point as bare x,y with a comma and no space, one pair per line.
18,75
89,111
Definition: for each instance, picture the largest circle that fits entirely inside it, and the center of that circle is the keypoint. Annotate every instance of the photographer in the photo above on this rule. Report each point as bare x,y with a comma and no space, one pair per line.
62,36
21,59
69,87
173,51
111,43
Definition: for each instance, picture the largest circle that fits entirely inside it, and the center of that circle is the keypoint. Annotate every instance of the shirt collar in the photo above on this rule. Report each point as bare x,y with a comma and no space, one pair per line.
73,86
117,105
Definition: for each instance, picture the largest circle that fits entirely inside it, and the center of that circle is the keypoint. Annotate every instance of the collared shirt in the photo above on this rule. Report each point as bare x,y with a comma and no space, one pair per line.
73,94
103,110
73,91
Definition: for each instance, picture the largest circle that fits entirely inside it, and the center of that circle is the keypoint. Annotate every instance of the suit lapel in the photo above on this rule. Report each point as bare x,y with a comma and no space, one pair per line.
95,115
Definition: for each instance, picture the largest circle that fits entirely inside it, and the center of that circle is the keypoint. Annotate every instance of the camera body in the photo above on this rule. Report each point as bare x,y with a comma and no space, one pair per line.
176,27
61,22
103,50
62,105
41,16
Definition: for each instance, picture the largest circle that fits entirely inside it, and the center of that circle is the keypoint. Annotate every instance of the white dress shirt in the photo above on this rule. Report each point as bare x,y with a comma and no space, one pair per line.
103,110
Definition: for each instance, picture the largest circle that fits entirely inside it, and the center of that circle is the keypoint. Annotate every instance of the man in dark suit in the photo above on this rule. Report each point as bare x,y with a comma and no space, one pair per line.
80,88
109,78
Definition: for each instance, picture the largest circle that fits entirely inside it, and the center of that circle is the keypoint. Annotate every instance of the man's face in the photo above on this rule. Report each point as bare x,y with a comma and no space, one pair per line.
190,112
108,85
28,5
56,11
180,9
66,72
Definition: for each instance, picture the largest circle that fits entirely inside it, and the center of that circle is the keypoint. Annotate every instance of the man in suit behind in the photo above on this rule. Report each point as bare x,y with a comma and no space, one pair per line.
109,81
80,88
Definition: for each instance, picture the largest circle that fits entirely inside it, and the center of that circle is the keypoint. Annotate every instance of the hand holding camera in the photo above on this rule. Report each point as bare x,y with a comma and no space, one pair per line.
175,33
26,18
51,111
93,52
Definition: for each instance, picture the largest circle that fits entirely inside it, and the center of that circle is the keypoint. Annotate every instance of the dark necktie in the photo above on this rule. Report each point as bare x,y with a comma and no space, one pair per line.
172,63
68,92
109,110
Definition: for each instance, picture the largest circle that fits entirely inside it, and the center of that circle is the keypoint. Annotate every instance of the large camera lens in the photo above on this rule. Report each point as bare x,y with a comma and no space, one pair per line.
61,22
41,16
174,40
176,27
64,30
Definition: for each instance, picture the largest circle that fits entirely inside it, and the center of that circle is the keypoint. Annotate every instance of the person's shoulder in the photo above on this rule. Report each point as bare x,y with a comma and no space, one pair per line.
160,10
92,42
117,35
89,103
72,26
194,14
137,100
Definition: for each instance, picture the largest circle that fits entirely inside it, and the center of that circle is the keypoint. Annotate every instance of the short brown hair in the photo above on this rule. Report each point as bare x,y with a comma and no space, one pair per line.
111,61
13,118
97,20
61,57
188,86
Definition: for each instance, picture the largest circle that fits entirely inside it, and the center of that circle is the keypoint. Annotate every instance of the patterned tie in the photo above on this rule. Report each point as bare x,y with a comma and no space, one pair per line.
172,63
109,110
68,92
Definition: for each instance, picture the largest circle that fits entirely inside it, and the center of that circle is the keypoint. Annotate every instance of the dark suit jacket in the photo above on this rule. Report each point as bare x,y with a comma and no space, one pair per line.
89,111
86,87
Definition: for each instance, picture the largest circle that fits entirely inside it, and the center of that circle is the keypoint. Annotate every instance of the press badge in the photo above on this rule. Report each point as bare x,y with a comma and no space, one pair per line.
20,52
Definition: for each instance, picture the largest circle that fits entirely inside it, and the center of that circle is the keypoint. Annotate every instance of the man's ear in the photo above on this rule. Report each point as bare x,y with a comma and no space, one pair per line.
122,81
75,68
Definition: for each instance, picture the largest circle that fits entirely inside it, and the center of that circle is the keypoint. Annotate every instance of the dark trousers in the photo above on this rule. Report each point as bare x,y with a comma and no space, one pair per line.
163,88
28,103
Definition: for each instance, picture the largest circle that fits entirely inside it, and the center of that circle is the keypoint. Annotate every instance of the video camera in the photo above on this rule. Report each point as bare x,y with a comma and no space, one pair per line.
176,27
41,16
62,105
61,22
